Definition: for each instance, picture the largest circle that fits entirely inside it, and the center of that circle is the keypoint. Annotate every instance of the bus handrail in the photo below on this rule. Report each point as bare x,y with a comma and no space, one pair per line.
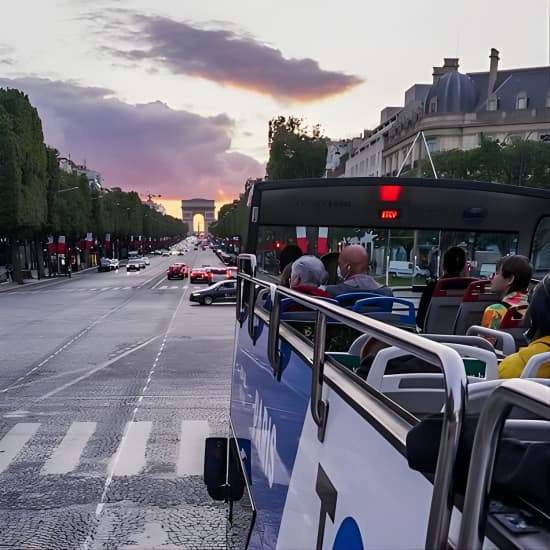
435,353
526,394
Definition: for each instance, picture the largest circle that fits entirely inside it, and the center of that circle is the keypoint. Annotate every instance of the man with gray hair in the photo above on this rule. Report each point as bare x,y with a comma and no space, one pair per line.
308,273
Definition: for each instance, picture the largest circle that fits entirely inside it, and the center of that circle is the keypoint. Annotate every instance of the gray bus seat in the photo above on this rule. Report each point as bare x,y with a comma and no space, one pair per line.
534,364
503,341
477,297
421,392
446,299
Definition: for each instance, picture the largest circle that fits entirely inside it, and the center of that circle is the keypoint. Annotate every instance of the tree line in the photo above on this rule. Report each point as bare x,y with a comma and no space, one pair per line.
38,198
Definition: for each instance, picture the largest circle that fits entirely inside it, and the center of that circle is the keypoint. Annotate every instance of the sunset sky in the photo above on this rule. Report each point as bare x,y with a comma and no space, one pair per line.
174,97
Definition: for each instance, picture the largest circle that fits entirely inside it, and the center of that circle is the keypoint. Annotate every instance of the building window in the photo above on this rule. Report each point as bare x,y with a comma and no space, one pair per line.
433,144
433,105
521,101
492,103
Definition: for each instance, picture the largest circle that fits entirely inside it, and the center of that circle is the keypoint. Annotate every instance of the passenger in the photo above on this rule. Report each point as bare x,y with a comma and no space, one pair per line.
353,268
288,254
454,261
510,282
330,261
538,334
308,274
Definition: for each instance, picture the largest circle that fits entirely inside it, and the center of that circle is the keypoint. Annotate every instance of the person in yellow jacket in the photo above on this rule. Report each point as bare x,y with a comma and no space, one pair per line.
539,333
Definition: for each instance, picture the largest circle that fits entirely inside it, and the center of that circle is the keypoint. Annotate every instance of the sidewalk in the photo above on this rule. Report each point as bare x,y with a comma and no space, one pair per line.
10,285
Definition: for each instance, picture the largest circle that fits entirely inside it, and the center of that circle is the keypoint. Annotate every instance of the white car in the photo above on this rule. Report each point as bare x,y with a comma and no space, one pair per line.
146,260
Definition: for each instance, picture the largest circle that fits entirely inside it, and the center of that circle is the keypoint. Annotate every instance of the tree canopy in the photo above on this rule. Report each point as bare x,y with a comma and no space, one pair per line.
519,163
294,150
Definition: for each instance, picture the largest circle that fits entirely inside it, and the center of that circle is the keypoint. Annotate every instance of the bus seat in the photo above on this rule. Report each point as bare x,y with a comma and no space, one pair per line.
446,299
477,297
395,311
534,364
348,299
357,345
513,318
420,392
478,393
476,341
501,340
302,314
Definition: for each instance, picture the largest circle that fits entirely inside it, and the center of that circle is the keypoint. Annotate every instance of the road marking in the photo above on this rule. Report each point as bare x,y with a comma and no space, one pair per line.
163,287
65,458
130,456
191,447
172,287
12,443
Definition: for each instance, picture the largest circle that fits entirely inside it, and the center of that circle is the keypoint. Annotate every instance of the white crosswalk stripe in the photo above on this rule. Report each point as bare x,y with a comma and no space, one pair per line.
12,443
191,447
129,459
65,458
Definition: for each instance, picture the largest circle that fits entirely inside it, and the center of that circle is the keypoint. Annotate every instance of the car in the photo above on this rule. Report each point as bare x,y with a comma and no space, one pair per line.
146,260
133,265
177,271
141,261
224,291
198,275
216,274
107,264
165,253
231,272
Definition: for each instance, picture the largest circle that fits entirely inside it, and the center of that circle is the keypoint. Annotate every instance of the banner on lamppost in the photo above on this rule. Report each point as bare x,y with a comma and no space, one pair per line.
89,240
301,238
107,240
61,244
51,245
322,241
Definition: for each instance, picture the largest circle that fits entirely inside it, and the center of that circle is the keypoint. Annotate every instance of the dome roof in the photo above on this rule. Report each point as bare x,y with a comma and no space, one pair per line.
455,93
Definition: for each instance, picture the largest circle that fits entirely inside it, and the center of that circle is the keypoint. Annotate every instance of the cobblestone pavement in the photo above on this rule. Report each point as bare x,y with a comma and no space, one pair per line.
106,397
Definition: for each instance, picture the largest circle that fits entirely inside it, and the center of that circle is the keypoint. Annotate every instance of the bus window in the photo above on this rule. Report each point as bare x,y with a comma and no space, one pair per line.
540,254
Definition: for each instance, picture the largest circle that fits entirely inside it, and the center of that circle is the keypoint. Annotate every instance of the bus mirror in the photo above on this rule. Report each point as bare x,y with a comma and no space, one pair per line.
215,467
247,264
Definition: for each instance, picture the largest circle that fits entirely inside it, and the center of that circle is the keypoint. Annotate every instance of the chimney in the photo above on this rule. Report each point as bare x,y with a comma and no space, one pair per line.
450,65
493,69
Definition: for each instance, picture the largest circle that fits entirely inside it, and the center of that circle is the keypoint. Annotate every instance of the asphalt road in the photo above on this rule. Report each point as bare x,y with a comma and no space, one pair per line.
109,383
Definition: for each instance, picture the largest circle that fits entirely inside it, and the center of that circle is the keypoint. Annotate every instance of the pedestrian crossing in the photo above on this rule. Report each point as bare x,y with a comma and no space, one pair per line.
101,290
135,451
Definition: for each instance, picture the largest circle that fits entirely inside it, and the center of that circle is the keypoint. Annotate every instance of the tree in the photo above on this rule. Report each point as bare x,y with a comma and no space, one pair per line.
518,163
294,152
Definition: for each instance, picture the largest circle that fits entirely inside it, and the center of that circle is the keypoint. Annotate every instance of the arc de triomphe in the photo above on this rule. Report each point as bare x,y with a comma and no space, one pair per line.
205,207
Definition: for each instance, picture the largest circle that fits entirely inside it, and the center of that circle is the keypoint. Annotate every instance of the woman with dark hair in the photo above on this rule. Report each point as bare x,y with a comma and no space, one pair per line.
538,333
288,254
454,261
512,277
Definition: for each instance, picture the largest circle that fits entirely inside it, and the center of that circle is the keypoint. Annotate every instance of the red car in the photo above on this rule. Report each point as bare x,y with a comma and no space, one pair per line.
199,275
177,271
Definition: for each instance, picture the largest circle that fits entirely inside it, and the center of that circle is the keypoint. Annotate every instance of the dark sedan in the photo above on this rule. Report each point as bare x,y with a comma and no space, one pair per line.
224,291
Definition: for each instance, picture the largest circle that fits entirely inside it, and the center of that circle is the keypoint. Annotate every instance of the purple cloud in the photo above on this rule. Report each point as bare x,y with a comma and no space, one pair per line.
146,147
232,59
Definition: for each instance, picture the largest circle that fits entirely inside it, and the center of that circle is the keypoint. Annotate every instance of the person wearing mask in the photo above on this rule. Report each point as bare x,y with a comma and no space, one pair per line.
538,334
454,261
510,281
353,269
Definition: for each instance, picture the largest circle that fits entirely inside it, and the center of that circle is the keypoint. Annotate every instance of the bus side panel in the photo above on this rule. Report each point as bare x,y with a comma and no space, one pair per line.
371,499
267,418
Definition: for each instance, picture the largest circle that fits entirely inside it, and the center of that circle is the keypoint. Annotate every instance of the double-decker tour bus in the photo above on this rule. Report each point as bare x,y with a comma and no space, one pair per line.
319,457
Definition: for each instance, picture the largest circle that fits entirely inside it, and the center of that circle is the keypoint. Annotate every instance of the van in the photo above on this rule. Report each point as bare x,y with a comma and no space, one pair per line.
399,268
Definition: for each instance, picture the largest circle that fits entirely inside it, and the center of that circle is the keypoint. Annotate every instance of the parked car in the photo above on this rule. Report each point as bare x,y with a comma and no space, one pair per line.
177,271
198,275
146,260
224,291
107,264
133,265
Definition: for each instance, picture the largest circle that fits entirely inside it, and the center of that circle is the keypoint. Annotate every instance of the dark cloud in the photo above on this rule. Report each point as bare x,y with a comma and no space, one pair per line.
229,58
6,53
145,147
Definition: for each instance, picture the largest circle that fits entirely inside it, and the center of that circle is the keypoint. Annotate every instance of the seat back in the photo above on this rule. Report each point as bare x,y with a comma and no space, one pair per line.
501,340
477,297
446,299
348,299
395,311
513,318
531,370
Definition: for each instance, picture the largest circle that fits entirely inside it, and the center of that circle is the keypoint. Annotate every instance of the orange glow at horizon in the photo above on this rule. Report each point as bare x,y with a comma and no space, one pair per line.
173,206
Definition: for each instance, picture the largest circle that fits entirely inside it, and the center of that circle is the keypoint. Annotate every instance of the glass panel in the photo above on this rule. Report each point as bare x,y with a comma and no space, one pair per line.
540,255
410,255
